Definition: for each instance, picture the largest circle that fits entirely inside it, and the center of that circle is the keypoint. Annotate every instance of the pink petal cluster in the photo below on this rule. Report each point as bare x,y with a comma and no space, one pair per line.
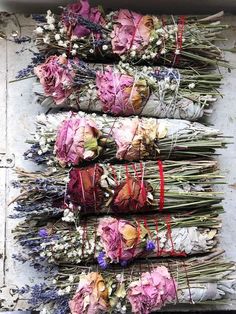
135,139
152,291
76,141
119,239
81,9
56,76
115,90
91,296
131,30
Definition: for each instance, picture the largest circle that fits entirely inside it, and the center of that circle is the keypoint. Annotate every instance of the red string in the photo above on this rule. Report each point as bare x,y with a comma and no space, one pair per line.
120,243
136,28
127,181
187,279
114,174
83,238
162,185
81,183
179,41
173,281
169,235
157,239
95,236
142,183
94,188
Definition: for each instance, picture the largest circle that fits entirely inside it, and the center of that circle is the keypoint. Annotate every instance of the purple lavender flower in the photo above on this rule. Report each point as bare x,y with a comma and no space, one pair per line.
150,246
102,261
43,233
123,263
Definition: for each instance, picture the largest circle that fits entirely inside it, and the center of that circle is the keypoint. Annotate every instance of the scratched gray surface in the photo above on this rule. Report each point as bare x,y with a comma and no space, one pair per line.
17,120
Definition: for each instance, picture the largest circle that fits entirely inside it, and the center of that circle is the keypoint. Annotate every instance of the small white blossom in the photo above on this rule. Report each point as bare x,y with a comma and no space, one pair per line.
75,46
68,289
73,52
60,43
177,51
57,37
49,12
60,292
64,55
159,42
62,30
104,47
163,51
71,278
191,85
46,39
133,53
91,50
74,38
50,19
51,27
39,30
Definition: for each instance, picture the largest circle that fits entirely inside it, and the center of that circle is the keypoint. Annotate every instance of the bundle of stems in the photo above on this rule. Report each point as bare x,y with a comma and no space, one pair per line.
127,90
126,188
207,280
117,240
79,138
125,35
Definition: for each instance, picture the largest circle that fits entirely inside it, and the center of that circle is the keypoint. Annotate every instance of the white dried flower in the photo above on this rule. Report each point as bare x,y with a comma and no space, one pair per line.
191,85
50,19
51,27
39,30
159,42
163,51
74,38
62,30
73,52
75,46
91,50
64,55
49,12
68,289
60,292
60,43
133,53
104,47
177,51
57,37
46,39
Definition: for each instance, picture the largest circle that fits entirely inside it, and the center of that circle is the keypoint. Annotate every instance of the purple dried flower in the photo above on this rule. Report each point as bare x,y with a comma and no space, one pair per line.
43,233
124,263
150,246
102,261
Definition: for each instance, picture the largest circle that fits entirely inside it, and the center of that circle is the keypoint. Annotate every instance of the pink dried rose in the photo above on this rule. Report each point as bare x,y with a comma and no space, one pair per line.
135,139
71,19
120,239
56,77
152,291
91,296
131,30
76,141
120,93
